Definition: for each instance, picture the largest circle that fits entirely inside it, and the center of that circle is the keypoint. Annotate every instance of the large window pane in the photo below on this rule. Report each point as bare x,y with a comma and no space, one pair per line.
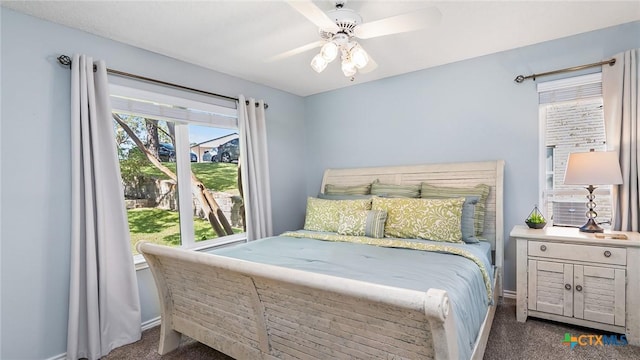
214,154
150,188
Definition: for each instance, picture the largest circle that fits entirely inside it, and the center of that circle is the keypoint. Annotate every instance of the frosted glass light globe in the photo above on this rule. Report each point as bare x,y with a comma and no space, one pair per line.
329,51
359,57
348,68
318,63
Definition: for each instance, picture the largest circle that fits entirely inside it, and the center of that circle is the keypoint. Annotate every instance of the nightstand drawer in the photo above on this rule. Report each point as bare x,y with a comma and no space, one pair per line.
599,254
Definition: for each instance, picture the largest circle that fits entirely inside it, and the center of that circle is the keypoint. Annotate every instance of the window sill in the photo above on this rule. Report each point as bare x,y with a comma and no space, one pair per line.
140,263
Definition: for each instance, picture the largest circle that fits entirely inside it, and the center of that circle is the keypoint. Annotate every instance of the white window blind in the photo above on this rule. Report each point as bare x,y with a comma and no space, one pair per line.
140,102
580,87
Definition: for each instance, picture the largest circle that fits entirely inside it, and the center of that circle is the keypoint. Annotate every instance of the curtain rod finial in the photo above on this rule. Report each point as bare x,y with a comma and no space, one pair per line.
519,79
64,60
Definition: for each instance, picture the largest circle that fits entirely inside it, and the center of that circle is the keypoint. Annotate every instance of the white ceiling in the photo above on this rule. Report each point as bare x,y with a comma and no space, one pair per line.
236,37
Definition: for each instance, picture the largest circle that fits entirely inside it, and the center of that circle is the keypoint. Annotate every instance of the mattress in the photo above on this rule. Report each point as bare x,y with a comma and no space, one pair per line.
405,268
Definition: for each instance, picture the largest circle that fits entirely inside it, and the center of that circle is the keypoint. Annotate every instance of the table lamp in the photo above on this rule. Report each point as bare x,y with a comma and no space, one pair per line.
592,168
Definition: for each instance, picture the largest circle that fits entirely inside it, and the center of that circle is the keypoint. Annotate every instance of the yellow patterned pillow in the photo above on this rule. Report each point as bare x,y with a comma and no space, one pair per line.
481,190
324,215
432,219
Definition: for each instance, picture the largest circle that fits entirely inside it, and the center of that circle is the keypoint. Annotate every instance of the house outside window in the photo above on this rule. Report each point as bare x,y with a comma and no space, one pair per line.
177,193
571,120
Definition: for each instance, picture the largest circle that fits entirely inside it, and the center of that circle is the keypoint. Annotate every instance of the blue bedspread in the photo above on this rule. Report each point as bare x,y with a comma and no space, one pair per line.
404,268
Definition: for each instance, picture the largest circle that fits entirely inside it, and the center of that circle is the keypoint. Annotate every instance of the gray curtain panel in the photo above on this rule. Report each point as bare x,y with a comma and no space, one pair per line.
620,96
254,161
104,307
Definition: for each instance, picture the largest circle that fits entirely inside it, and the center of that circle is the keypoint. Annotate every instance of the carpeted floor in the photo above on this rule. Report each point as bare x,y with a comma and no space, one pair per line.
540,339
509,339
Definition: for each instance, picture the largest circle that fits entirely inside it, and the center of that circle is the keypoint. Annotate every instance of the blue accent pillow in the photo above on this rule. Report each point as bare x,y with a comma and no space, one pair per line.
468,219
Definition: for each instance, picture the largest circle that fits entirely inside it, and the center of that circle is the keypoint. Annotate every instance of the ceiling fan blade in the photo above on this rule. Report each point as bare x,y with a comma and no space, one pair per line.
371,65
314,14
296,51
412,21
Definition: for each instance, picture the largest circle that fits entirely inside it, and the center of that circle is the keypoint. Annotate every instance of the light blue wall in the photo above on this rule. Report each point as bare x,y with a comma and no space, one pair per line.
35,148
466,111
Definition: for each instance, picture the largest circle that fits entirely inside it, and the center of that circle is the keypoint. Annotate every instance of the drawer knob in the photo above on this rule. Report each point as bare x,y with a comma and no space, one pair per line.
578,288
543,247
567,286
607,253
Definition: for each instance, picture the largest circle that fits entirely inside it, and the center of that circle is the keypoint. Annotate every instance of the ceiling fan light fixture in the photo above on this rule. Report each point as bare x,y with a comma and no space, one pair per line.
339,28
318,63
359,57
329,51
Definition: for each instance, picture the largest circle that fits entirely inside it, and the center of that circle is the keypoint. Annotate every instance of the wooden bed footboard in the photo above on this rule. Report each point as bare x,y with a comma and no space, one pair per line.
256,311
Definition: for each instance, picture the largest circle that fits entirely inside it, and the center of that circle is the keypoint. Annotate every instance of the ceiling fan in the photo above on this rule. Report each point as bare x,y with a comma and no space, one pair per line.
339,29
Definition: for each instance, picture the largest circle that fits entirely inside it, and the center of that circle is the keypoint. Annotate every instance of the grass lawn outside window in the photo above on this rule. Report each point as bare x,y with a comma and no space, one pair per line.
162,226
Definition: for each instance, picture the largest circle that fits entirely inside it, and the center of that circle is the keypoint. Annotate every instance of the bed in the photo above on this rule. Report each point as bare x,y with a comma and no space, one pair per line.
319,297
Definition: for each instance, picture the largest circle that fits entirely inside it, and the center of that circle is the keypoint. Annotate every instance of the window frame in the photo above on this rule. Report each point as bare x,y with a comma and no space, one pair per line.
224,117
570,82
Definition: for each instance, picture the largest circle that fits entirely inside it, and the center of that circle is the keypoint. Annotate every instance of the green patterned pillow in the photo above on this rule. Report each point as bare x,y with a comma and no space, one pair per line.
363,189
343,197
324,215
432,219
440,192
363,223
392,190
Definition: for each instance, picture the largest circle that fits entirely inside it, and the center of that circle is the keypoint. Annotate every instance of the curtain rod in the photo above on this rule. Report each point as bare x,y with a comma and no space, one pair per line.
66,61
521,78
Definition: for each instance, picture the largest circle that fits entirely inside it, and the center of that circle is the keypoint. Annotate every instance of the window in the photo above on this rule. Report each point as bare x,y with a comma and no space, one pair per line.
571,120
178,190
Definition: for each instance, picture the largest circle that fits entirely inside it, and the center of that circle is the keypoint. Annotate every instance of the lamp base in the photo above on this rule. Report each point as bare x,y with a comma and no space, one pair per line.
591,227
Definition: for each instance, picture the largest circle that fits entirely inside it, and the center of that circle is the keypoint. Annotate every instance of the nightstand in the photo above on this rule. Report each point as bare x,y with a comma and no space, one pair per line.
573,277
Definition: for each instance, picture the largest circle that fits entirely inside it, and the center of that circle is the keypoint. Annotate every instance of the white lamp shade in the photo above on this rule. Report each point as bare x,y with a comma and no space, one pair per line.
593,168
318,63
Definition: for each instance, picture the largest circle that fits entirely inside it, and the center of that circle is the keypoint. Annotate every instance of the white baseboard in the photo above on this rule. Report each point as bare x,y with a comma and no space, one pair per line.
509,294
150,323
62,356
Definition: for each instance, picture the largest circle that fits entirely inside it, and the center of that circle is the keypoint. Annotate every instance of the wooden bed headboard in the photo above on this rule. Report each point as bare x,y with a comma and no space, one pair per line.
449,174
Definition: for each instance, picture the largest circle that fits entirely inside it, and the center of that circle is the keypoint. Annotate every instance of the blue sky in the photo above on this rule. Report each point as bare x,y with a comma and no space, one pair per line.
198,134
